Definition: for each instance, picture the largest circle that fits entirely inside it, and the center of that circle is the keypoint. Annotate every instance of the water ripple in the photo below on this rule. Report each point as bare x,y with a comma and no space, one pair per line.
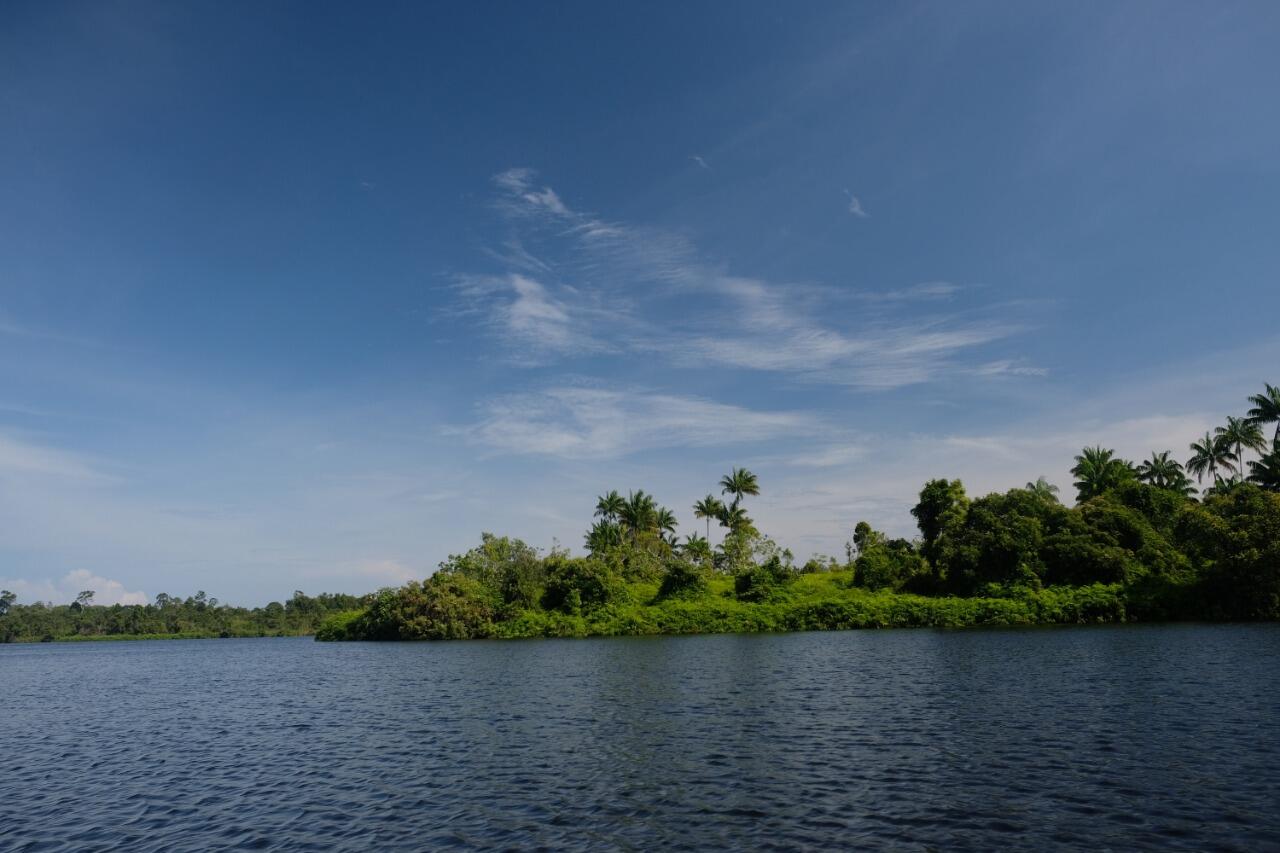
1099,738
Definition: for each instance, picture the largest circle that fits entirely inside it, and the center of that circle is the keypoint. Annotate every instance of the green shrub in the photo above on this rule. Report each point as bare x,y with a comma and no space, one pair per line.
340,626
763,581
683,579
574,585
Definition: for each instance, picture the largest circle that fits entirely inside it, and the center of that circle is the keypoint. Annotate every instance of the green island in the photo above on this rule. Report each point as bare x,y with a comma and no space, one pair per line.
1141,543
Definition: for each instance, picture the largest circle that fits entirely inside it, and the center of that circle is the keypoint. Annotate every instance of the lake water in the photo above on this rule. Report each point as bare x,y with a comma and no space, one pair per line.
1100,738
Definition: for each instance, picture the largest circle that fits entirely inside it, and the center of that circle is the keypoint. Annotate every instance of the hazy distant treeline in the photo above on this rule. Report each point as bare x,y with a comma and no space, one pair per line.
168,616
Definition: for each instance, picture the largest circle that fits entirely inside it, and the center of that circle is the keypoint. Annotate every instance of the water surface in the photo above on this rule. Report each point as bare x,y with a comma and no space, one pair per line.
1102,738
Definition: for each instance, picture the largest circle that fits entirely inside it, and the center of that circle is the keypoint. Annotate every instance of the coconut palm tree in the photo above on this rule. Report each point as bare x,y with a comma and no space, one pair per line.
734,518
1098,470
1160,470
709,507
1266,471
638,512
1241,433
1266,409
609,507
602,536
665,520
739,482
1208,455
696,547
1043,489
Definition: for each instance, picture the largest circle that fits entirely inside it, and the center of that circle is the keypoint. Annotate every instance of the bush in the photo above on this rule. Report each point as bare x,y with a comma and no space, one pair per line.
887,565
683,579
763,581
340,626
574,585
446,606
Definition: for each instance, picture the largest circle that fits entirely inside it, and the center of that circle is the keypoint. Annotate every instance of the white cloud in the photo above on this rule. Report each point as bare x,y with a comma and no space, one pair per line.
591,423
65,590
700,161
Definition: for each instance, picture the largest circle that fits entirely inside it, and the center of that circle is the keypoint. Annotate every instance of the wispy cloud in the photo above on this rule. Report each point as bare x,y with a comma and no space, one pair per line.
22,457
855,206
702,164
1006,367
928,290
576,283
593,423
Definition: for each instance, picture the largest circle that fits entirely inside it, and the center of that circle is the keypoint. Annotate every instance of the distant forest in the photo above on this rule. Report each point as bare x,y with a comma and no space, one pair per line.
168,617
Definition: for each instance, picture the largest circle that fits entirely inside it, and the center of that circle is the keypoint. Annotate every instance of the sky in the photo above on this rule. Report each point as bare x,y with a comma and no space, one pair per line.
309,295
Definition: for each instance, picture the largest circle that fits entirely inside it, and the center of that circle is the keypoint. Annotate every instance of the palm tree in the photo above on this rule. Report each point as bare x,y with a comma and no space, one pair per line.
638,511
696,547
1043,489
1162,471
1208,455
1097,470
1266,409
734,518
1241,433
709,507
1266,471
665,520
602,536
738,483
609,507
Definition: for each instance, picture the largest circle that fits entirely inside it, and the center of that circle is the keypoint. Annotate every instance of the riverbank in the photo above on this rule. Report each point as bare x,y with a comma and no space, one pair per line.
813,602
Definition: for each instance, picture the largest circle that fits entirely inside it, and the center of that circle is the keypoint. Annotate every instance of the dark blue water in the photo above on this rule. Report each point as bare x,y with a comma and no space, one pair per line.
1099,738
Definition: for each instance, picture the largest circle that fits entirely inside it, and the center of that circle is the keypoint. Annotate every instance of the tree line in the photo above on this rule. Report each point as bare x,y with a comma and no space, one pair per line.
199,615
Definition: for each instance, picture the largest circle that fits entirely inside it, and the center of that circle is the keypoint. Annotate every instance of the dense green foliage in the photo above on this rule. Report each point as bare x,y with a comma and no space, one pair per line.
1138,545
169,617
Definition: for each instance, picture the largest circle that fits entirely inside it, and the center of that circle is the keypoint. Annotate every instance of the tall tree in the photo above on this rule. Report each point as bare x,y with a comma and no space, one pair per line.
603,536
1208,455
696,548
639,512
1266,471
665,520
739,482
942,508
1164,472
1241,433
1042,488
735,518
709,507
609,507
1266,408
1097,470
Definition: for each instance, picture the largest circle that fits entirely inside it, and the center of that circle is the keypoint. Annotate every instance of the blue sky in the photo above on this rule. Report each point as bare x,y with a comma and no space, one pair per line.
308,296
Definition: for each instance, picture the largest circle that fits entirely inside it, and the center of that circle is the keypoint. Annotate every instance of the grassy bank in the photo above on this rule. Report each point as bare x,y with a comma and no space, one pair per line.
814,602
